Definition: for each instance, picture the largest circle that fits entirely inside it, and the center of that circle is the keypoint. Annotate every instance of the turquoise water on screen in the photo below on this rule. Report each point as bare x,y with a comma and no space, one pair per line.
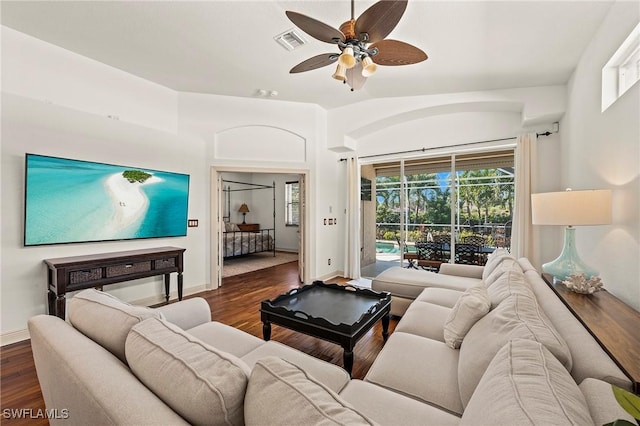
67,201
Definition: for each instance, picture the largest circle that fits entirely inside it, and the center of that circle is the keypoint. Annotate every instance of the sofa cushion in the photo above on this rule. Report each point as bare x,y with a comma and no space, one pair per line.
493,260
410,283
440,296
506,265
525,384
470,307
391,408
106,319
282,393
332,376
211,383
589,359
510,281
421,368
517,317
424,319
226,338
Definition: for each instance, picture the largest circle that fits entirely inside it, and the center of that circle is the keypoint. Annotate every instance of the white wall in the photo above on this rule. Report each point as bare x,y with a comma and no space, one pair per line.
221,122
49,74
56,103
602,150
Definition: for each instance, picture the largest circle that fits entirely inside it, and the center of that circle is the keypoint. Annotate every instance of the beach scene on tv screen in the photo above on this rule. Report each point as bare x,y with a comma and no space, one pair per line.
78,201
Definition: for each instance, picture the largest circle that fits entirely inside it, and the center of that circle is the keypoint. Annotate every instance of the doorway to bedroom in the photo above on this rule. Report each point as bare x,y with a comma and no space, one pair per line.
259,221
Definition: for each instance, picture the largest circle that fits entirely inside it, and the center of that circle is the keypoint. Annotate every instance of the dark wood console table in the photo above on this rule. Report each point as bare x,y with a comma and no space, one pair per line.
96,270
614,324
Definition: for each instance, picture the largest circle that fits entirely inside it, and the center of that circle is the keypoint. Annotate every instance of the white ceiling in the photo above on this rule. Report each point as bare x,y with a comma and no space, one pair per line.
228,47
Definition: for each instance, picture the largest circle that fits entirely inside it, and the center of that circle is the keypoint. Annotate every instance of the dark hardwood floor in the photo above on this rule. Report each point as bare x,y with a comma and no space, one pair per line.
236,303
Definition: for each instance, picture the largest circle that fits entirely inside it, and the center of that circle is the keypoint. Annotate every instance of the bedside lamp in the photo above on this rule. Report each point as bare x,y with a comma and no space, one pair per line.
244,209
571,208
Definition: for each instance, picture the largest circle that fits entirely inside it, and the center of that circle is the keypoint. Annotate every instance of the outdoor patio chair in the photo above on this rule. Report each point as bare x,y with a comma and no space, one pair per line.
468,254
430,255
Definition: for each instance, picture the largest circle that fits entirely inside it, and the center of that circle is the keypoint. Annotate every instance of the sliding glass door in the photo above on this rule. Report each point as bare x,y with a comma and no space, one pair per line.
454,200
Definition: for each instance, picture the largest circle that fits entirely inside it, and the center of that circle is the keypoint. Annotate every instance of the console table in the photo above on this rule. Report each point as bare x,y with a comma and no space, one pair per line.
67,274
614,325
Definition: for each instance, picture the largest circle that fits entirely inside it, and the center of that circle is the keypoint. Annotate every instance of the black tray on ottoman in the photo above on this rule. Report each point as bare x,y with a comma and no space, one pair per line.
336,313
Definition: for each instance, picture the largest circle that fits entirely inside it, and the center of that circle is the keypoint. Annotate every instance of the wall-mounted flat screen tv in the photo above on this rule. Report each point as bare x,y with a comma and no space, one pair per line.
73,201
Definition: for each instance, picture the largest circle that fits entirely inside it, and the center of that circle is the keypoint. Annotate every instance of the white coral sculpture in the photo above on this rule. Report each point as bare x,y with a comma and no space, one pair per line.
580,284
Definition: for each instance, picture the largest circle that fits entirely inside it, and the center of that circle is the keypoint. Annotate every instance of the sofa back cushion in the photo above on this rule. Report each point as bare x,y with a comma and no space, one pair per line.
472,305
106,319
280,392
510,280
517,317
493,260
525,384
202,384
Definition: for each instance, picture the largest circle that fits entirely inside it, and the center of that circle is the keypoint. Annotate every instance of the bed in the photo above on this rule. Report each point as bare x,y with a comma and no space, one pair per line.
240,243
236,242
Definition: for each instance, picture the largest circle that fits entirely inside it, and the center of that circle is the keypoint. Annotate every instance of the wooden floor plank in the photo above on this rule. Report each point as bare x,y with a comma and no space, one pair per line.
236,303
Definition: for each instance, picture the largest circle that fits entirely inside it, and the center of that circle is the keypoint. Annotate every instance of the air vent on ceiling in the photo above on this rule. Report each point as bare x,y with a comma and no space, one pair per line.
290,40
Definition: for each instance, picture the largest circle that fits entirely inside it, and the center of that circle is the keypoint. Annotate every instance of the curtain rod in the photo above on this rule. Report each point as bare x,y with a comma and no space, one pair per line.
413,151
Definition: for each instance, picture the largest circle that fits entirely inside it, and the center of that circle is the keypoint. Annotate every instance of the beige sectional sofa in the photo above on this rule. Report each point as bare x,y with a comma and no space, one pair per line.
499,351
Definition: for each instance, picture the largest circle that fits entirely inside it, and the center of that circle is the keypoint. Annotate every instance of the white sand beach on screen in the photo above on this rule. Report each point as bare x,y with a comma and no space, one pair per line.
129,201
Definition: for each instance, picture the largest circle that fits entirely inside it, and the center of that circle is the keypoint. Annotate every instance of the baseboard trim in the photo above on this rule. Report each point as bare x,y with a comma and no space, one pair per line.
14,337
173,295
331,275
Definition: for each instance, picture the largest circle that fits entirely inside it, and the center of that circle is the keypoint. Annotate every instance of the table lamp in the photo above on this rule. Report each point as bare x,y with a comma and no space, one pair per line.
244,209
571,208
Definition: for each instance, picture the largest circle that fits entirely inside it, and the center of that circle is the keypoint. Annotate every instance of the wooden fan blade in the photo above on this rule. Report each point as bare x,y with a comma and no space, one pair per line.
380,19
394,52
355,79
316,29
318,61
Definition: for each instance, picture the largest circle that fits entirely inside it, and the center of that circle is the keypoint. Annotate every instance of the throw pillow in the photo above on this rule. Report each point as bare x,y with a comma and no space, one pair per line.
106,319
281,393
212,383
525,384
472,305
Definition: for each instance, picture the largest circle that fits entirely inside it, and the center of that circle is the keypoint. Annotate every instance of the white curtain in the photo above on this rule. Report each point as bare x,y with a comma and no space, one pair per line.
352,250
522,238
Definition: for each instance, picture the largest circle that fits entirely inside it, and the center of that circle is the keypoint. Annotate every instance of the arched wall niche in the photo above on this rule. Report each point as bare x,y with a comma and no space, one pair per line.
260,143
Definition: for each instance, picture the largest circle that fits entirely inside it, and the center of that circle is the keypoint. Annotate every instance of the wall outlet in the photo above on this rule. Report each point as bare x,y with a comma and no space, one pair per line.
329,261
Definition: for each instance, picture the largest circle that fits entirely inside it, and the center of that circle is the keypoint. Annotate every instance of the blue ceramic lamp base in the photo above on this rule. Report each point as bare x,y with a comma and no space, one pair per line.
568,263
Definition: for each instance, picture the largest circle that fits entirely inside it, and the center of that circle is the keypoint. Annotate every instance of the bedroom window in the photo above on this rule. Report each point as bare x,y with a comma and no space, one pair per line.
292,203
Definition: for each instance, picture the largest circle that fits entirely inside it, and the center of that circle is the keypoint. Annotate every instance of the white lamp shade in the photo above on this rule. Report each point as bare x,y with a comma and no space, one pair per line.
588,207
340,73
368,67
347,59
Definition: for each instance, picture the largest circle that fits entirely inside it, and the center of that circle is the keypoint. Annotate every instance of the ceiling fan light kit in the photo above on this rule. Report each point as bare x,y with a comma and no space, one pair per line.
361,42
341,73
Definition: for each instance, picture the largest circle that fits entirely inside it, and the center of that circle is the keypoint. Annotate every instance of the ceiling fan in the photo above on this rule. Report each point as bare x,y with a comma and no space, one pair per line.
361,42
